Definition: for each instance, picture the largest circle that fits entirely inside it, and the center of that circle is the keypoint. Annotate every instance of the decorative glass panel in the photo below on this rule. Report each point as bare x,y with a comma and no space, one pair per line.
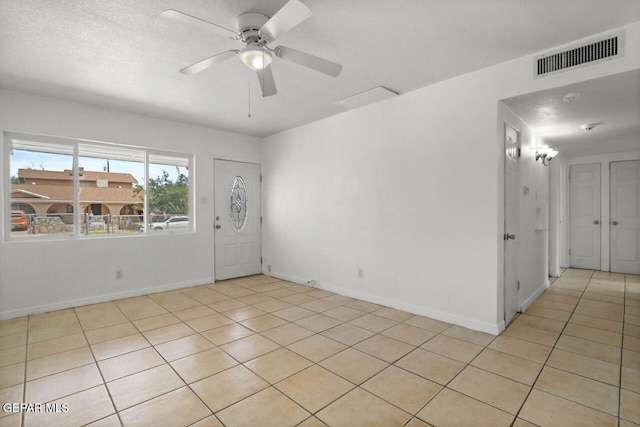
238,203
511,142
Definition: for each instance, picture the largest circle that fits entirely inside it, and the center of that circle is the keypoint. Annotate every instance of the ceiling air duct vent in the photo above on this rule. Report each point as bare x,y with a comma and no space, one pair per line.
602,49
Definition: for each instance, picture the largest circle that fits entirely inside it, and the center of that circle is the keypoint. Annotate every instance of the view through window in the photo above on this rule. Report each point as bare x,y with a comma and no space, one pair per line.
76,188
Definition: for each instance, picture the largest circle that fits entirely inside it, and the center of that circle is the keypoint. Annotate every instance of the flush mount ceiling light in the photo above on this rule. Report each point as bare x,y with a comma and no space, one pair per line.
571,96
545,154
589,126
255,57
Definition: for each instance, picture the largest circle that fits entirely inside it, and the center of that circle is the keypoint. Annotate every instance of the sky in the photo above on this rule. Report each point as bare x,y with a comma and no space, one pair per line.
58,162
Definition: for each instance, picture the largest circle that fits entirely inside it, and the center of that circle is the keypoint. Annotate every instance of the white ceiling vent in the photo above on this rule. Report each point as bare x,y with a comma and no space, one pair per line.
602,49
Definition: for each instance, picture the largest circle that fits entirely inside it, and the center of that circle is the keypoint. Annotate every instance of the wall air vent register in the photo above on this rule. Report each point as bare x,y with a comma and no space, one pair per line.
602,49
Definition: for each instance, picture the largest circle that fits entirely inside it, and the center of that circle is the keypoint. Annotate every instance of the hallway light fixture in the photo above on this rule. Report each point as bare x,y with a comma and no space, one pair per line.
545,154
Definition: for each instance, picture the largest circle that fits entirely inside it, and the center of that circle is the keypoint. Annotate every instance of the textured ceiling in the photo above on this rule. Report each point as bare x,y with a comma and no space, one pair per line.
612,103
123,54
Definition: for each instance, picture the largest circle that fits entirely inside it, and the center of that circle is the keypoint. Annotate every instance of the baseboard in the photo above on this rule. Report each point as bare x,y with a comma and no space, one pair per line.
534,296
288,278
442,316
27,311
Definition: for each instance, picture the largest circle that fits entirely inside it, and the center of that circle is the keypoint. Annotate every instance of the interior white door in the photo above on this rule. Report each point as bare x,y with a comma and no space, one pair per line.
585,226
625,217
237,219
511,212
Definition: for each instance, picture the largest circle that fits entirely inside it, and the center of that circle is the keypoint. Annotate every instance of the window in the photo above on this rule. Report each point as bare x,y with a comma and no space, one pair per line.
168,191
79,188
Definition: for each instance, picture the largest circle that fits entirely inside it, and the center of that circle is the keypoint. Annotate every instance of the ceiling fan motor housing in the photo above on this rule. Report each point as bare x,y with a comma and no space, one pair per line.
248,26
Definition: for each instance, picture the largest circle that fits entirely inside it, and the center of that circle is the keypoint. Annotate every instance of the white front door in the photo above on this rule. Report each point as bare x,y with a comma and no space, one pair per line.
511,209
584,189
625,217
237,219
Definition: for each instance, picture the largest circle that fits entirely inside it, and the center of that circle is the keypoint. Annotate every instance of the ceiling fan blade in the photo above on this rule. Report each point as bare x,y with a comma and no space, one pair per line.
290,15
206,63
309,61
267,83
200,23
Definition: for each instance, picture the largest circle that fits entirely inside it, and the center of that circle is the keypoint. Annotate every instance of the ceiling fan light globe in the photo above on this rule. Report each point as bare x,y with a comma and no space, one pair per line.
255,58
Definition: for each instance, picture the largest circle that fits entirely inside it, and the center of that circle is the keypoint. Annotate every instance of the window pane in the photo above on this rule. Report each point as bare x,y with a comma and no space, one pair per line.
111,190
68,188
168,193
41,188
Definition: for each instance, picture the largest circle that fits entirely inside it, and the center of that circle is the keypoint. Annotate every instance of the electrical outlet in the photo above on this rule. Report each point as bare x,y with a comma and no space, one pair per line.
119,274
361,273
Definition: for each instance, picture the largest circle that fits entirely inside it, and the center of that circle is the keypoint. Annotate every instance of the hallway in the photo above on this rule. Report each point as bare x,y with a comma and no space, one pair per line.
261,351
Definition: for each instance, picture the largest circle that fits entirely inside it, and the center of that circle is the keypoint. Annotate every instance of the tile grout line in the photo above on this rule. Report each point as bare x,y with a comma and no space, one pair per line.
239,363
356,386
446,386
624,309
264,379
165,361
104,383
597,342
316,363
128,352
314,333
24,386
544,365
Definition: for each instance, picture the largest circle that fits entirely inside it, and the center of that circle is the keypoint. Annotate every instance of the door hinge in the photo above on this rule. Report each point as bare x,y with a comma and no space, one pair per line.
260,260
260,178
569,251
518,284
260,220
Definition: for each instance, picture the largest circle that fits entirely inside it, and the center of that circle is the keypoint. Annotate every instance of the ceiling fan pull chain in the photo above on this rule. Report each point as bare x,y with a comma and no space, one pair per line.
249,115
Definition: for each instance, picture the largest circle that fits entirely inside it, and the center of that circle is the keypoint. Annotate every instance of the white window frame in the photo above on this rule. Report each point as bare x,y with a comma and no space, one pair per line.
110,149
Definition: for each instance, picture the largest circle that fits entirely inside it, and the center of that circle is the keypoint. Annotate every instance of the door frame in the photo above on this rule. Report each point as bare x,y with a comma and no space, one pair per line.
507,127
213,208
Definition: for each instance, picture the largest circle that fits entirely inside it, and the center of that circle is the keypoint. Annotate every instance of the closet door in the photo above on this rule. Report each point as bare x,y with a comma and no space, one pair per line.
584,208
625,217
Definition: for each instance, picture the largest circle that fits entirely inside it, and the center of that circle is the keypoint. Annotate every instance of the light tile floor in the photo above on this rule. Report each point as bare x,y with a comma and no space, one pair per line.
258,351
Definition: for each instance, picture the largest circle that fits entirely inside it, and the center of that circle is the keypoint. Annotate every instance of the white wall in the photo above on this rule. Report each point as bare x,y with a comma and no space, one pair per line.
46,275
410,190
557,194
605,202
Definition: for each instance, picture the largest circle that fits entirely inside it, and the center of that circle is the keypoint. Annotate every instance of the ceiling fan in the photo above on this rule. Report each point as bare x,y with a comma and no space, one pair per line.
256,31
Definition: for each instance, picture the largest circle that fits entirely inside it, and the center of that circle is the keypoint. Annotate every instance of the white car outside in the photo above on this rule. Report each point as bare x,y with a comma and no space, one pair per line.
173,223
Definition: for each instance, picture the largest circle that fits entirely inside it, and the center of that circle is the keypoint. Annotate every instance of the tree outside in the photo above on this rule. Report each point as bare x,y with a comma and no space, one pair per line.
166,196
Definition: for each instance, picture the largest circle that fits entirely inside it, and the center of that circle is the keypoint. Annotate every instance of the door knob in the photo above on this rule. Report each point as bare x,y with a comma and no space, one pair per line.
218,226
509,236
614,223
596,222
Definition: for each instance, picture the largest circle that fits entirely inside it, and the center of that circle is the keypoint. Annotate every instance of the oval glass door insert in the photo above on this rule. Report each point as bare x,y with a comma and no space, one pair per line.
238,202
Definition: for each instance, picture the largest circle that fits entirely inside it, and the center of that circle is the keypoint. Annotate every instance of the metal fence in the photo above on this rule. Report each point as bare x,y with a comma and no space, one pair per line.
89,224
